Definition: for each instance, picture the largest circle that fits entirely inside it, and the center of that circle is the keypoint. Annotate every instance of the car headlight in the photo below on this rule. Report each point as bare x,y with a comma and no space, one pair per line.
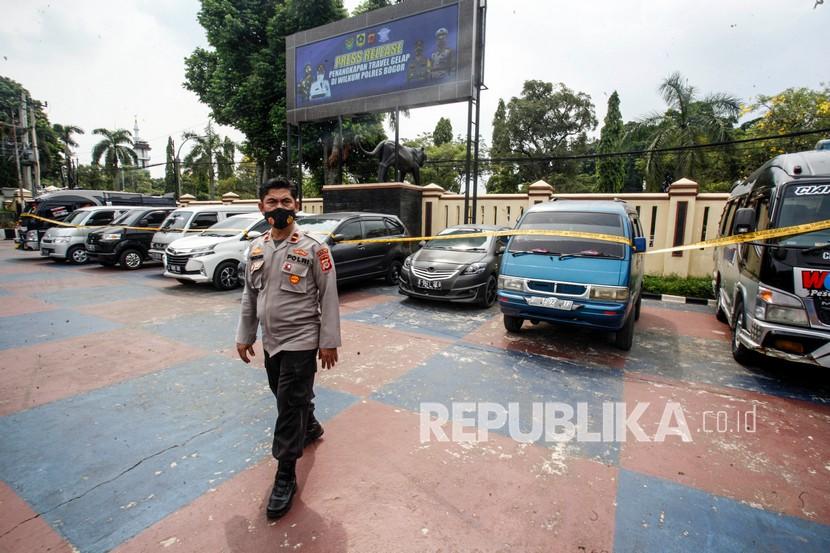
776,307
61,240
112,236
510,283
202,251
407,263
474,269
611,293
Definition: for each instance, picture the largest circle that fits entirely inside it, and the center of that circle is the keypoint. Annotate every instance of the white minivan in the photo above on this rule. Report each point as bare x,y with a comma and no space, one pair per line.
214,255
188,220
68,243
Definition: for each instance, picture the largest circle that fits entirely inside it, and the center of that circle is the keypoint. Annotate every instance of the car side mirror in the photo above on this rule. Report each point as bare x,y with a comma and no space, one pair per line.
500,249
744,221
640,244
337,238
253,234
422,243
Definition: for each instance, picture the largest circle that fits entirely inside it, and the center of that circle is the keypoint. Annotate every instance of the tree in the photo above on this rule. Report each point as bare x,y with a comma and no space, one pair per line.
242,76
116,148
688,121
548,120
794,109
369,5
170,168
611,170
446,166
503,179
202,158
64,134
443,132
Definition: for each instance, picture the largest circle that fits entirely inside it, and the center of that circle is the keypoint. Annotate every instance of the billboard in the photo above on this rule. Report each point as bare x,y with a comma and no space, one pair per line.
417,53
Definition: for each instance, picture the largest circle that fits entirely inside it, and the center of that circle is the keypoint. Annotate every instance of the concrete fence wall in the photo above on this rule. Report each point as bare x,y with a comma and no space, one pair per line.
680,216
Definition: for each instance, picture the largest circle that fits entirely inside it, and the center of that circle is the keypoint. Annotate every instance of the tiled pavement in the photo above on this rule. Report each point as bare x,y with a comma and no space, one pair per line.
127,424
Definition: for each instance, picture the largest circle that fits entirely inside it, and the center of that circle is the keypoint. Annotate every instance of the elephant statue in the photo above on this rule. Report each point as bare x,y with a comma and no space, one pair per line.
409,160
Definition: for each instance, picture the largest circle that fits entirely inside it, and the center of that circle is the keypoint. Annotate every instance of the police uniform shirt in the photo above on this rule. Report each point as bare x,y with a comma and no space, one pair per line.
291,290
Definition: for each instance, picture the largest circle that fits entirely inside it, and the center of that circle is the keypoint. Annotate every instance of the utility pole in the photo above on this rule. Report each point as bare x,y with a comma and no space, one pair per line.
34,141
17,158
23,117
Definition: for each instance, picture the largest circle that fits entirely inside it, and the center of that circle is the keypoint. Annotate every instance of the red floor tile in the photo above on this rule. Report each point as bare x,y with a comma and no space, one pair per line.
22,531
683,323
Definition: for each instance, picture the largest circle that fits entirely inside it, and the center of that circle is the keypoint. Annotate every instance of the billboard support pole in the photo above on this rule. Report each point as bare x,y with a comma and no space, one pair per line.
300,164
288,150
340,150
397,139
479,84
467,219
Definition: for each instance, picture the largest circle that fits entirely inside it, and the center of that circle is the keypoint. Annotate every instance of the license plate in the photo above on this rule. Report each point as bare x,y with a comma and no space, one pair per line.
552,303
91,248
429,284
175,269
45,253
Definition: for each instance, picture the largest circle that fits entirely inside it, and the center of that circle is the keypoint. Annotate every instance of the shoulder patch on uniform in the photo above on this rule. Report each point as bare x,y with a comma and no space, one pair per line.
325,259
256,252
294,238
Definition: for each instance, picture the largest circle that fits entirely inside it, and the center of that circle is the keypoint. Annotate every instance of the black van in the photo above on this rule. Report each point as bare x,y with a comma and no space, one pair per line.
775,293
127,241
57,205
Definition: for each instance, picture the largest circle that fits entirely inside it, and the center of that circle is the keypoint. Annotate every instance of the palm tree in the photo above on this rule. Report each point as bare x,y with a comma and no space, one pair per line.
688,121
115,148
66,141
202,157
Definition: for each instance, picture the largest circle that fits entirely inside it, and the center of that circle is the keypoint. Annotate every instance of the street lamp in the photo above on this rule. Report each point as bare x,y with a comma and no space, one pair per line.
176,163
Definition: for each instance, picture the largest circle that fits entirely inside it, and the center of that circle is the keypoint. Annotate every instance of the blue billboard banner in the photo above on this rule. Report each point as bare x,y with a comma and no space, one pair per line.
404,54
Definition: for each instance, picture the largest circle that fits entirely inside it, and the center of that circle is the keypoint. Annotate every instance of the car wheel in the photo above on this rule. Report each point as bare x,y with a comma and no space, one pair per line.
513,324
226,276
77,255
624,338
393,273
637,307
741,354
488,292
131,259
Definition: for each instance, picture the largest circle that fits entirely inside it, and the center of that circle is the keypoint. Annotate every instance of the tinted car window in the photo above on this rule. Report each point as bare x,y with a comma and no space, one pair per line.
394,227
153,219
101,218
351,231
204,220
374,228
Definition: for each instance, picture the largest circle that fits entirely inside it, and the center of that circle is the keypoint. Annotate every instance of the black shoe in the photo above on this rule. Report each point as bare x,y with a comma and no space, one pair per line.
285,486
313,432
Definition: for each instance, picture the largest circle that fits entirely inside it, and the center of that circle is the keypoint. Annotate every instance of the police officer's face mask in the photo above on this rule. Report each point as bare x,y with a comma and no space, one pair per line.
280,218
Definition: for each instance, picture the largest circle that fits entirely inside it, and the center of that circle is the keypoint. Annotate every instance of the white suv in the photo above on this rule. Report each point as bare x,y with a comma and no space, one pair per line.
214,255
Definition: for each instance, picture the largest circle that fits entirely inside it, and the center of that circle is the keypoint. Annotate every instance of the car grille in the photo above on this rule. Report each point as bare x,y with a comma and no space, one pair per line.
46,240
93,238
180,260
557,287
434,274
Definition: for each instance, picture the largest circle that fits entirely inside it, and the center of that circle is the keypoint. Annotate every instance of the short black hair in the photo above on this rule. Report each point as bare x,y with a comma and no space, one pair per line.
277,183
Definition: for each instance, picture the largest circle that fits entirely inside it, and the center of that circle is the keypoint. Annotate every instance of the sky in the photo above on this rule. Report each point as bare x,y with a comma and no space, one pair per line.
100,63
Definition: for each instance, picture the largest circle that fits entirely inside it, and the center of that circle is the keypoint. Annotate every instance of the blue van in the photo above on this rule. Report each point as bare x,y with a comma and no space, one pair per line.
576,281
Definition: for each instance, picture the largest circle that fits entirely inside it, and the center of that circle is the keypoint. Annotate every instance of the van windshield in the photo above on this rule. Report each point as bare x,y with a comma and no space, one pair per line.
76,217
230,226
805,203
600,223
176,221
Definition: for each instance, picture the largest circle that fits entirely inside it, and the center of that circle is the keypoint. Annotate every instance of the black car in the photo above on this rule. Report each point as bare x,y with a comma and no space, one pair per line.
456,269
127,247
355,259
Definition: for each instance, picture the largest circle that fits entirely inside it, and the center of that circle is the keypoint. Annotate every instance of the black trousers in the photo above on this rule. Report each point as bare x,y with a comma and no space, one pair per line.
291,378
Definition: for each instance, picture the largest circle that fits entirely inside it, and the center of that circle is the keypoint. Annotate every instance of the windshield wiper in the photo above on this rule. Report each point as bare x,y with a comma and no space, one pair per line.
537,251
583,254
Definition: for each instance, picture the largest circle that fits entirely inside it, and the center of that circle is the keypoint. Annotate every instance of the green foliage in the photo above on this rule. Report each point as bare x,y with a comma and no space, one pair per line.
242,76
170,168
210,155
66,142
504,178
611,170
690,287
548,120
443,132
92,177
449,176
117,150
369,5
688,121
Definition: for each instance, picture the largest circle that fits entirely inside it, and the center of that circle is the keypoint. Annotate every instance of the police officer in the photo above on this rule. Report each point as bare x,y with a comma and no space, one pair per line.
291,290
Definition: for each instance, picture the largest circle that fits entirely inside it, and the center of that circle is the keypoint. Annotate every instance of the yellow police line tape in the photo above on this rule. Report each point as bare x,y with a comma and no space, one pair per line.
723,241
72,225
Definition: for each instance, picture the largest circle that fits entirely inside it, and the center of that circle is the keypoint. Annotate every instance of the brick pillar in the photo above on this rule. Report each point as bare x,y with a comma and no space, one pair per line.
682,199
538,192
